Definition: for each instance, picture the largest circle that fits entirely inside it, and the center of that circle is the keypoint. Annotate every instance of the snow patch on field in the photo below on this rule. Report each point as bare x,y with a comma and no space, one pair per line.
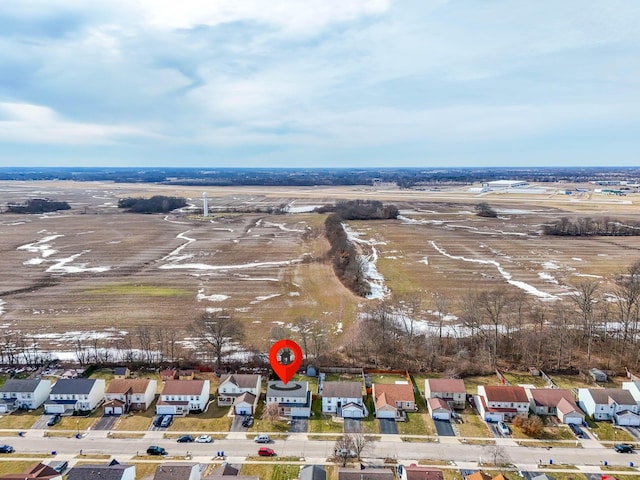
212,298
2,304
547,277
586,275
262,298
65,265
577,259
204,266
372,276
283,227
42,247
550,266
530,289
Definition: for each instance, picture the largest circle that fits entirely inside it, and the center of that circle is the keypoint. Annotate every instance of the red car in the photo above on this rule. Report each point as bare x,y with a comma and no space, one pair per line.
266,452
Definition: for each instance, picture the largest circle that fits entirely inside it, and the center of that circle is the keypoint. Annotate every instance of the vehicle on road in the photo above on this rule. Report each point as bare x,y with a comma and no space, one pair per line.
185,439
204,439
155,450
247,422
503,428
262,438
266,452
166,421
53,420
6,449
345,453
623,448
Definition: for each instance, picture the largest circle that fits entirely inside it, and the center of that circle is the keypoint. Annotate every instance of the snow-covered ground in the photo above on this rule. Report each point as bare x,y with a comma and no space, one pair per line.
373,277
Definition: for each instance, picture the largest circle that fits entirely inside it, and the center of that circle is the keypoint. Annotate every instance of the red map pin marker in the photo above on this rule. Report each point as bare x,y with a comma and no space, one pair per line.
283,368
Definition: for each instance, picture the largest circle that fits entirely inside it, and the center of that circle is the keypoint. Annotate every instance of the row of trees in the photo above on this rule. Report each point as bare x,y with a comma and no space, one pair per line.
155,204
587,226
38,205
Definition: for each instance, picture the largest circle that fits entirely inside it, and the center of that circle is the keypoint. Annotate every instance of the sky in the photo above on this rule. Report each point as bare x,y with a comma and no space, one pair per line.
319,83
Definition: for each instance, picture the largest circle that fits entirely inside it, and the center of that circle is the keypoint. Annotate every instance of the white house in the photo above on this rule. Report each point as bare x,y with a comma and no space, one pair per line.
451,390
127,394
75,394
25,394
604,403
231,390
343,399
183,396
293,398
501,403
633,388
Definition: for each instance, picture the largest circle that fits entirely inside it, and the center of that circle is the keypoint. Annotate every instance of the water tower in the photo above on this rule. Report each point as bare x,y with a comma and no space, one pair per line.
205,205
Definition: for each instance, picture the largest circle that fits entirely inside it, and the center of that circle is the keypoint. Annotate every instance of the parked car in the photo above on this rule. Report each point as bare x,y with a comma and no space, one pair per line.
266,452
503,428
261,439
157,420
6,449
155,450
247,421
167,420
59,467
204,439
345,453
623,448
185,439
53,420
577,431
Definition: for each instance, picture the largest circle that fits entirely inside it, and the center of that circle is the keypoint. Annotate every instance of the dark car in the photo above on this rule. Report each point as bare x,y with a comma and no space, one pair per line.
185,439
577,431
623,448
247,422
59,467
167,420
53,420
158,420
155,450
6,449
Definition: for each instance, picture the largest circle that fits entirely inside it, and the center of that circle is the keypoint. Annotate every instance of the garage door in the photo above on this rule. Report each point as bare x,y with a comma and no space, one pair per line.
243,410
493,417
54,409
352,413
575,420
441,416
166,410
117,410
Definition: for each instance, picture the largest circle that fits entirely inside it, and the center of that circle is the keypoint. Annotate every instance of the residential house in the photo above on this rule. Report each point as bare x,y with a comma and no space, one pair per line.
543,476
501,403
312,472
293,398
183,396
365,474
224,471
451,390
124,395
343,399
75,394
632,387
240,390
417,472
439,409
168,374
25,394
110,471
555,401
38,471
605,403
177,471
479,475
120,373
393,400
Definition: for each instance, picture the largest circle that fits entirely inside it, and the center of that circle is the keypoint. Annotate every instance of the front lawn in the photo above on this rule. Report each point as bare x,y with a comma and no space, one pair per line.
215,419
417,424
472,425
319,423
20,419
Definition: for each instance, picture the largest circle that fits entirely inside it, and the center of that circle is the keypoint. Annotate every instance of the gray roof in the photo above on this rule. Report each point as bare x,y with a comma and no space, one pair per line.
342,389
17,385
365,474
174,471
290,390
73,385
225,469
98,472
617,395
242,380
313,472
542,476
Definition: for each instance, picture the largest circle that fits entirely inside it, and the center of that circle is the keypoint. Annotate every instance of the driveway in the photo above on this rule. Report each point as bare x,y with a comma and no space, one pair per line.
299,425
106,422
388,425
352,425
236,425
41,423
444,428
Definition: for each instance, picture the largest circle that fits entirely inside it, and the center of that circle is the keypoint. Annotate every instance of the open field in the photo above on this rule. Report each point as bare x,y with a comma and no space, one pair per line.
97,274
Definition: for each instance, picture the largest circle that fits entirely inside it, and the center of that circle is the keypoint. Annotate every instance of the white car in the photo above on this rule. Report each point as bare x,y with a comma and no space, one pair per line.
204,439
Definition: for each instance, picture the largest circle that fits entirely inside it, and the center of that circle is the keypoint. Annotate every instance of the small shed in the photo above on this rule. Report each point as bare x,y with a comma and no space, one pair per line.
311,371
598,375
120,373
627,418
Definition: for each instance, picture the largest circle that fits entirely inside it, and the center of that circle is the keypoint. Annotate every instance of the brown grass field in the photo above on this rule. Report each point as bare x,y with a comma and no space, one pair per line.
95,271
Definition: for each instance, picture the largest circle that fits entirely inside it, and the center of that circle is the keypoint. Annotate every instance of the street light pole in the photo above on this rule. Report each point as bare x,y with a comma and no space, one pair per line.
78,427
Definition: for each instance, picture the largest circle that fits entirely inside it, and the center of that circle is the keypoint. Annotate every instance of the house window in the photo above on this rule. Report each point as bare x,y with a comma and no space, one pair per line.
512,405
408,404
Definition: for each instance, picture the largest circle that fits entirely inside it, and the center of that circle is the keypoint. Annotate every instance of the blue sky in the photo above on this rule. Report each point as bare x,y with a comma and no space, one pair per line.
326,83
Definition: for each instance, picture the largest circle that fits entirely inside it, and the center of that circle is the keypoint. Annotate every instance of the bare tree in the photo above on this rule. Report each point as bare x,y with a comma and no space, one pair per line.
304,326
217,330
494,304
271,412
359,443
343,449
585,298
